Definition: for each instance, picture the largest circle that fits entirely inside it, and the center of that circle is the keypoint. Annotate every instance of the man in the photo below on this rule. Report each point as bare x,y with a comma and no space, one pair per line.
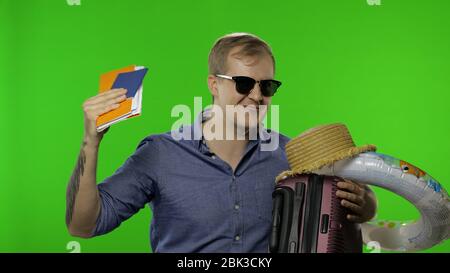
211,194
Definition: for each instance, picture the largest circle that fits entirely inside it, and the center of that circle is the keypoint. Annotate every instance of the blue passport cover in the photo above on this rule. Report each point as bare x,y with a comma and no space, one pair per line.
131,81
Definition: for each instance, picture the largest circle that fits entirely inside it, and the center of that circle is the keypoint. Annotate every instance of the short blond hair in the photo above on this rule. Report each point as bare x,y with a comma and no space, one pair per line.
250,45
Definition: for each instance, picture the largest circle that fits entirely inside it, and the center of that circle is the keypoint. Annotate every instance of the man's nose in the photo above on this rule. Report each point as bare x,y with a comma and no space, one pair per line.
255,93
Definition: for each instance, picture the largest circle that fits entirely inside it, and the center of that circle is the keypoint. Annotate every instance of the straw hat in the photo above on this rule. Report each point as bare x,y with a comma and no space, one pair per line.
320,146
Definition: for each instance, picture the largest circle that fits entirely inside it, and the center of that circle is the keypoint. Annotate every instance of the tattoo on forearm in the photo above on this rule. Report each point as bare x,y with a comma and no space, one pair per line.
72,189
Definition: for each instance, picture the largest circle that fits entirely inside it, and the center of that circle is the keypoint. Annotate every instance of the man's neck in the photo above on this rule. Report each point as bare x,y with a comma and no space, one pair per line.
229,150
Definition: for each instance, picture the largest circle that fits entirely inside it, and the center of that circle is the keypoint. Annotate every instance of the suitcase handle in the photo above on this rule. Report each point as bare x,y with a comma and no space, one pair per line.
297,218
274,236
283,199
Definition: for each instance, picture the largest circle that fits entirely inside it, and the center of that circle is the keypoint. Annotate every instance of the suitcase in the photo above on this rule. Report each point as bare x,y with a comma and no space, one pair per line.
307,217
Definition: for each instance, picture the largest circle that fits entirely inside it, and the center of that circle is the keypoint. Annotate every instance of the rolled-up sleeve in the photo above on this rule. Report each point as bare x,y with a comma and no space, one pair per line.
129,189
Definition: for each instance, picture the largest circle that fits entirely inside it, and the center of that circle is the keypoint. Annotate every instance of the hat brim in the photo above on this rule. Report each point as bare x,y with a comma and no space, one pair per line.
350,152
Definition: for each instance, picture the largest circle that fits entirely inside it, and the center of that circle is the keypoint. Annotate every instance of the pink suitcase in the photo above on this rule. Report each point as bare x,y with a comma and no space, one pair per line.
308,218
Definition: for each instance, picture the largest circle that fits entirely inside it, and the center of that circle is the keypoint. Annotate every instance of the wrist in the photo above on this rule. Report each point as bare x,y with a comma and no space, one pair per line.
371,207
90,143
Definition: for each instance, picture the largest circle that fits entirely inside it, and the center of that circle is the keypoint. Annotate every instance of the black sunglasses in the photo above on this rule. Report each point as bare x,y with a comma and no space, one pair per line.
245,84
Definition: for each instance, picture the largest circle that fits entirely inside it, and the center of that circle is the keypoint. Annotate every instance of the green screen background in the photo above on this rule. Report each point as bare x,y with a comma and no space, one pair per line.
382,70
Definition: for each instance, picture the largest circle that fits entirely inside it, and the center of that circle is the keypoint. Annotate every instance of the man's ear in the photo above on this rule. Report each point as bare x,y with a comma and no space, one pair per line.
212,85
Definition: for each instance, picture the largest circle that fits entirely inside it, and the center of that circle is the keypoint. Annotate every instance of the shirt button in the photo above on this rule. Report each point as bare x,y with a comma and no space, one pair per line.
237,238
234,177
213,157
236,207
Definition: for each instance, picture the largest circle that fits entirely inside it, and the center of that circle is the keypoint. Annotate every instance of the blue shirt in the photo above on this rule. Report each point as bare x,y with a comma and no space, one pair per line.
198,203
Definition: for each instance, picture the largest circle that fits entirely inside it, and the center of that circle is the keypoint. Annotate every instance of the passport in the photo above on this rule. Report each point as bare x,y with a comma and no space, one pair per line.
131,78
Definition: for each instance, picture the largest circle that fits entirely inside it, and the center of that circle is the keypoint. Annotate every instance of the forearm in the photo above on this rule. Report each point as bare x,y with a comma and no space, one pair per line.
83,201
